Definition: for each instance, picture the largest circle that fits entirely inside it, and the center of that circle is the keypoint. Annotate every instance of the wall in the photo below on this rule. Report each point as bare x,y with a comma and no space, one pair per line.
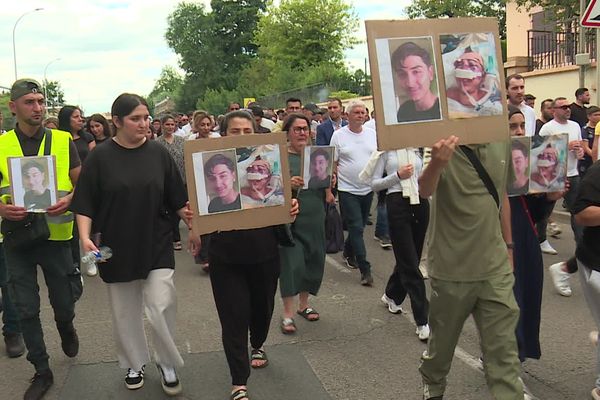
518,22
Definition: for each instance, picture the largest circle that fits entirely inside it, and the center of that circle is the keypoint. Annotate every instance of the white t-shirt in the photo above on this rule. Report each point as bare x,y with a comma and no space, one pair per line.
529,115
267,123
352,152
370,124
574,130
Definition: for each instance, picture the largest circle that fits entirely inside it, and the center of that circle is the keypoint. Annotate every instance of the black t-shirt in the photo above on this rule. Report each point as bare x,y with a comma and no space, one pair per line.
82,144
129,194
587,133
578,114
538,125
588,250
36,201
217,205
408,112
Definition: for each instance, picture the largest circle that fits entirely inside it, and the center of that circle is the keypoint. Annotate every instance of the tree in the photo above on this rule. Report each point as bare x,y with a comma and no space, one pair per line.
8,122
562,11
460,8
55,96
216,101
305,33
168,84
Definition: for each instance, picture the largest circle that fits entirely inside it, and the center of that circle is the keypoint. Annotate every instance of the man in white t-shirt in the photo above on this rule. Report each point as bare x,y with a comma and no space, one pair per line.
561,124
515,89
354,145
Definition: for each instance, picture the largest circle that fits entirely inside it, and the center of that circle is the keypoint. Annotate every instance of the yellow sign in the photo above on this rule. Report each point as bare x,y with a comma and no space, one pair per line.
248,100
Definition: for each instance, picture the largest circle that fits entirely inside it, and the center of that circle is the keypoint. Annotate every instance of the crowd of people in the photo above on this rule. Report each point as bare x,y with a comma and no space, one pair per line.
121,183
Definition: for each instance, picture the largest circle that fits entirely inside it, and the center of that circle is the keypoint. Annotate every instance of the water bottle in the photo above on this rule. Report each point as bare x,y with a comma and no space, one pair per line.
103,254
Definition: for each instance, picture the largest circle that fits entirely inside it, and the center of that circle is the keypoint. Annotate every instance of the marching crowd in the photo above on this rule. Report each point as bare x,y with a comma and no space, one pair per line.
121,183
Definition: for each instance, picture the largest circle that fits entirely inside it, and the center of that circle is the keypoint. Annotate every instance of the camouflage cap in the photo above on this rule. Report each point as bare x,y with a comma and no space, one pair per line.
22,87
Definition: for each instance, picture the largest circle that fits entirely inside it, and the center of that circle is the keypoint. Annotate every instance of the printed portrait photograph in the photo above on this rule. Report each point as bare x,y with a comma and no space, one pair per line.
33,182
548,164
471,74
408,77
259,170
520,150
318,166
217,183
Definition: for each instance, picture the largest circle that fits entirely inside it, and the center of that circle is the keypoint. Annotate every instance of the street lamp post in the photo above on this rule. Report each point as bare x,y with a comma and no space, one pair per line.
46,80
13,37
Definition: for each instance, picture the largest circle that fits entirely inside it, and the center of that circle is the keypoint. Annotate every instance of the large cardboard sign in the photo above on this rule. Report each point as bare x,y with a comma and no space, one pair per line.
539,164
238,182
435,78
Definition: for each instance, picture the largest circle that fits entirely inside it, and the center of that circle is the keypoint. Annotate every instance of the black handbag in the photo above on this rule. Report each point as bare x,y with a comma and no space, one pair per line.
33,229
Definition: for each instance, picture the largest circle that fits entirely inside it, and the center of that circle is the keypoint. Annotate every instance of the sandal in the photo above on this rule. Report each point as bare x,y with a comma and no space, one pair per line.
288,326
259,355
177,246
308,312
240,394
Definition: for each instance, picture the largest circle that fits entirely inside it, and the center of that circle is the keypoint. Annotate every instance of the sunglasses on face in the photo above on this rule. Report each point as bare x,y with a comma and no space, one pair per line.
565,107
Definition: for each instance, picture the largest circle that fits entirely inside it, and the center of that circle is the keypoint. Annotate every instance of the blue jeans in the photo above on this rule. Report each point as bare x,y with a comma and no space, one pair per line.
355,211
381,226
10,319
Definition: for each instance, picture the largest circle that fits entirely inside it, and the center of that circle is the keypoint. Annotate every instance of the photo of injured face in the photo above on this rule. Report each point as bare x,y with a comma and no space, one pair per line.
471,74
548,164
259,171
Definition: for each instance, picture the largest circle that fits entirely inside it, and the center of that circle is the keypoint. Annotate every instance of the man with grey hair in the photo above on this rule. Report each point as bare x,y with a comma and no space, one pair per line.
354,145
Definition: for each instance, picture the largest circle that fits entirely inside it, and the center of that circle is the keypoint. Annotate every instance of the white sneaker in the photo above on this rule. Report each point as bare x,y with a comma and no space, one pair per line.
596,394
594,337
546,248
91,270
553,229
391,305
169,380
423,332
560,279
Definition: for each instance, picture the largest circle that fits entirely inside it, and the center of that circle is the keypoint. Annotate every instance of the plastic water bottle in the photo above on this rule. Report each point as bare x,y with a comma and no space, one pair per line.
103,254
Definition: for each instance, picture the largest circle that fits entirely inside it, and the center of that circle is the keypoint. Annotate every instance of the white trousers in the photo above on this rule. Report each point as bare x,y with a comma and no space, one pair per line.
156,295
590,285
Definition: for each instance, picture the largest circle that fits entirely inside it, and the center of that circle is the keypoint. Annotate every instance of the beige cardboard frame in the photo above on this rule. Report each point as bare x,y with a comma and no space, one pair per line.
481,129
52,181
245,218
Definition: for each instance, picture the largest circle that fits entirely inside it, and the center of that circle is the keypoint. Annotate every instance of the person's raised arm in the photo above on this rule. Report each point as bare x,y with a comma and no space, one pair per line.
441,153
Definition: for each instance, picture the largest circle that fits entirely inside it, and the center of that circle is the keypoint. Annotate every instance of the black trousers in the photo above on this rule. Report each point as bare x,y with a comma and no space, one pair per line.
244,295
408,226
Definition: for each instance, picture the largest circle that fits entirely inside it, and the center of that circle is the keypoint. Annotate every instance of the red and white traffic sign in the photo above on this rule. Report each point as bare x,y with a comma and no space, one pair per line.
591,16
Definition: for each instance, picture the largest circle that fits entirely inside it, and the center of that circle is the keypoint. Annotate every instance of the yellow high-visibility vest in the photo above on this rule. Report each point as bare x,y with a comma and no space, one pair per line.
61,226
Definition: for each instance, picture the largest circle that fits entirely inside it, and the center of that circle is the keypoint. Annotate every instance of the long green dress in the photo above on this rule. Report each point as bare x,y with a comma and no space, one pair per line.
302,266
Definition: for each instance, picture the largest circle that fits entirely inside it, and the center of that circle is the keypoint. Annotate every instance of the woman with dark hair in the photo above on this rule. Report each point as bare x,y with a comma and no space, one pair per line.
302,266
127,191
98,126
174,145
244,268
70,119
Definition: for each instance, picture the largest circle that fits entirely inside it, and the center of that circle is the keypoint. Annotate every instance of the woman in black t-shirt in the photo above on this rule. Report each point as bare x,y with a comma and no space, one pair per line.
98,126
70,119
127,190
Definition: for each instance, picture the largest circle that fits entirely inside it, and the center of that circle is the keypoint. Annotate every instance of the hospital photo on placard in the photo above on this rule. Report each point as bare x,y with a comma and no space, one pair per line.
259,171
520,151
408,80
548,163
471,75
217,183
318,166
33,182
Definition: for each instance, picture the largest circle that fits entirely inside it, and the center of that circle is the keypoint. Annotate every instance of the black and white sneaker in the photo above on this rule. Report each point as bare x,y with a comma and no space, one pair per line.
134,379
169,380
384,241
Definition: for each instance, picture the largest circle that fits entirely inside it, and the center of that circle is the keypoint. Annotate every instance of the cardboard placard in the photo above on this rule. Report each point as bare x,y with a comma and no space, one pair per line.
254,166
539,164
33,182
436,78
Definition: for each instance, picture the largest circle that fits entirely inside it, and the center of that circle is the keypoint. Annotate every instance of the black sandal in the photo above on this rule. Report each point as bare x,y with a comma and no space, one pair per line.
240,394
307,313
260,355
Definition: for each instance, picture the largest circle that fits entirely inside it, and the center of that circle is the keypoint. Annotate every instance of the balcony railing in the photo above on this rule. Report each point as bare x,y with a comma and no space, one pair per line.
556,49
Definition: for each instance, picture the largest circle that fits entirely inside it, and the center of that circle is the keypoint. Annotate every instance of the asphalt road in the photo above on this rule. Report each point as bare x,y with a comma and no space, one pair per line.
358,350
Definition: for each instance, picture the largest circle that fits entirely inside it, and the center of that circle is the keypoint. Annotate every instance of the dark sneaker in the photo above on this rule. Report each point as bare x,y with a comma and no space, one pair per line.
169,380
134,379
350,261
40,383
366,279
69,339
14,345
384,241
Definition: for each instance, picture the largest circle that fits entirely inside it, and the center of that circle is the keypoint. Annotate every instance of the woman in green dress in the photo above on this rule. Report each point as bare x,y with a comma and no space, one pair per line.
302,266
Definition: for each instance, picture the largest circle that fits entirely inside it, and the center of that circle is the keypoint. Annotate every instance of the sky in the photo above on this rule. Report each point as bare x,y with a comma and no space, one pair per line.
98,49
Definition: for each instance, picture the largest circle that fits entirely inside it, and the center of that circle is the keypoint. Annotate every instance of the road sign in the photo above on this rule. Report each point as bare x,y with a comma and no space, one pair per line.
591,16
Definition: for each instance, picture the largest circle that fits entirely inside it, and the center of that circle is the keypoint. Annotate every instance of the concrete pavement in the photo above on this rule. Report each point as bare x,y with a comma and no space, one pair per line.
357,351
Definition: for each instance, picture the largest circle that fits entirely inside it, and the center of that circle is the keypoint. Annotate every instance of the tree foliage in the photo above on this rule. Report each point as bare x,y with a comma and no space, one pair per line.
563,11
168,84
55,96
460,8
